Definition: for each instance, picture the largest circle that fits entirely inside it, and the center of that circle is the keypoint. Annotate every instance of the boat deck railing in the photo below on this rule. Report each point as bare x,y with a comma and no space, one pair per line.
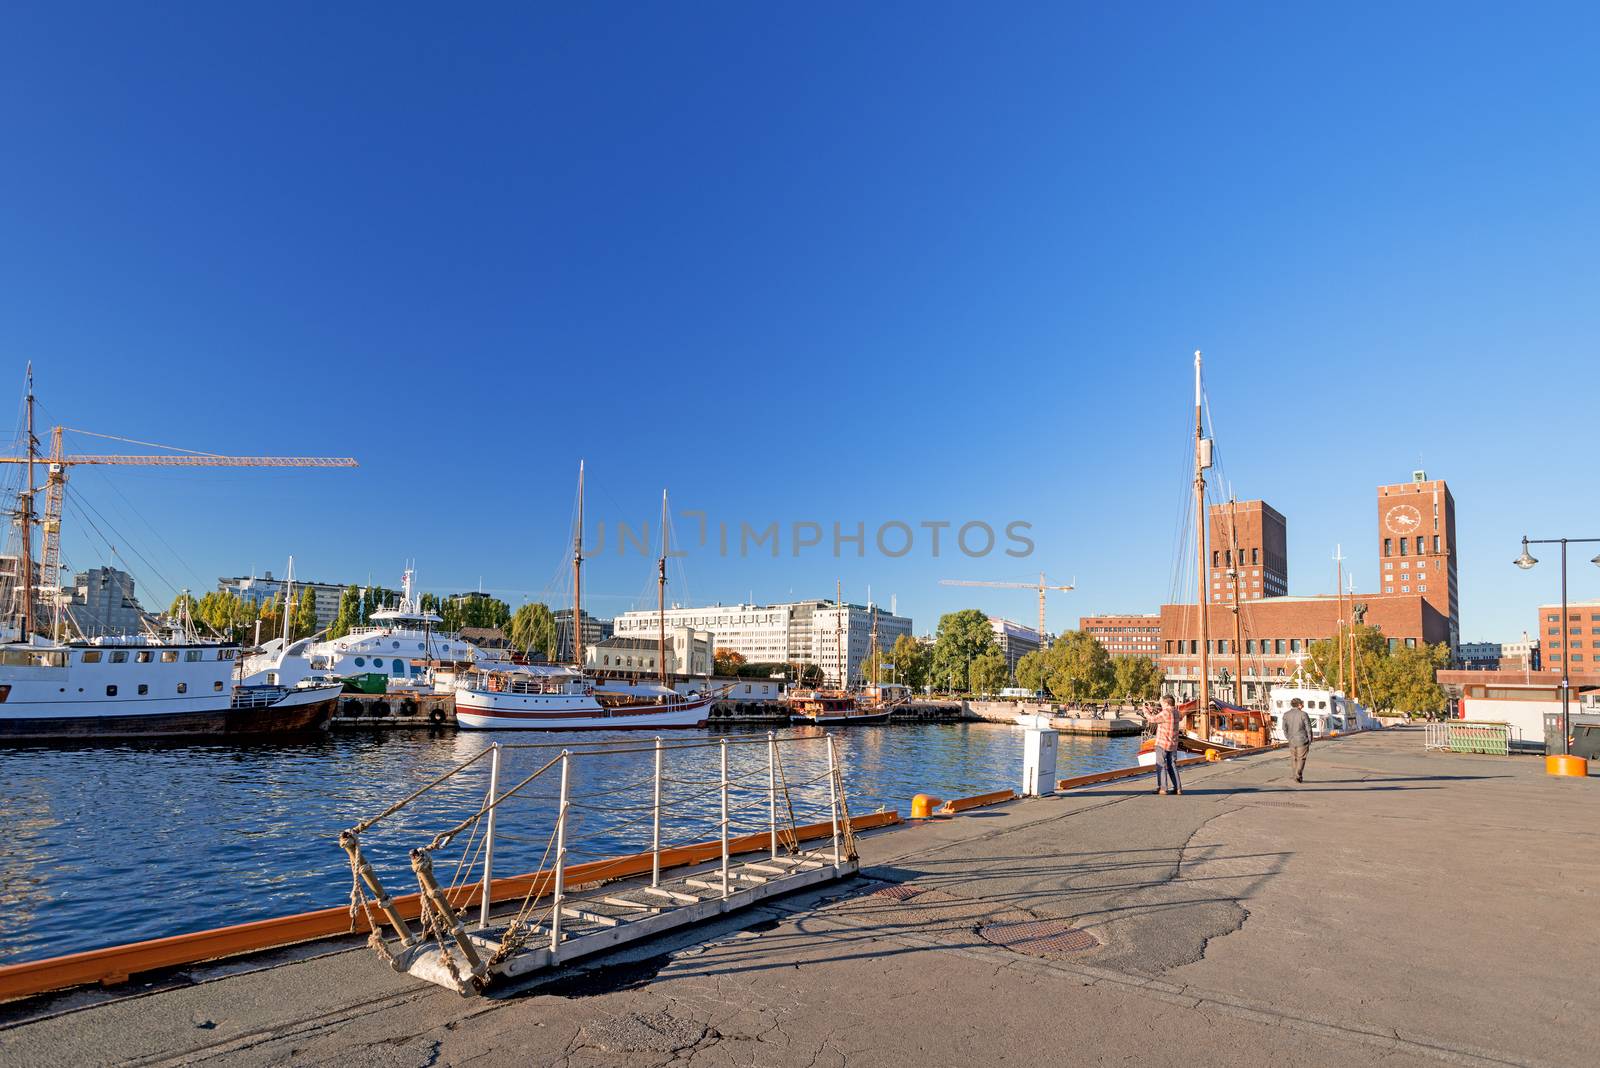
592,814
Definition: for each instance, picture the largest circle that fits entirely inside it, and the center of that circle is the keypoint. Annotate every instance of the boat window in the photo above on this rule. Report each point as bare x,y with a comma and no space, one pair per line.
119,656
397,645
169,656
216,686
111,691
361,661
143,689
91,656
183,687
193,655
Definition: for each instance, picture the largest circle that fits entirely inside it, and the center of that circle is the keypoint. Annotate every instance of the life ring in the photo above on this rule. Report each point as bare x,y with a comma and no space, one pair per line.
408,707
437,717
379,708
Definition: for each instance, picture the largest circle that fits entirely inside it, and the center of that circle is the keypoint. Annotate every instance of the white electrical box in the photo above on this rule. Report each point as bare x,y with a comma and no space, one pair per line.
1038,762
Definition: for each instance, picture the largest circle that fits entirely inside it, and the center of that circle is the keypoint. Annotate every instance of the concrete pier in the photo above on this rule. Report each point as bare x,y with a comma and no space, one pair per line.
1400,907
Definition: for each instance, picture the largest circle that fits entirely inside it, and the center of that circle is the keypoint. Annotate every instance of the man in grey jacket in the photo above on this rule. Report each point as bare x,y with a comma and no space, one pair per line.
1297,732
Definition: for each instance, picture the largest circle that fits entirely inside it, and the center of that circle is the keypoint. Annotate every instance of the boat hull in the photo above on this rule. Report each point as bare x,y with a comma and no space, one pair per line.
478,710
285,718
835,719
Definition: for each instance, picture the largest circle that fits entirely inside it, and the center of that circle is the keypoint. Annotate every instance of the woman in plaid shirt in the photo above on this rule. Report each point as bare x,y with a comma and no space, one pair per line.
1165,719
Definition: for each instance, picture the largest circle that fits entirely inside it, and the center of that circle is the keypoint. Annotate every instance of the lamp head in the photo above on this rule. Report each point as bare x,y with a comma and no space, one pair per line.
1526,560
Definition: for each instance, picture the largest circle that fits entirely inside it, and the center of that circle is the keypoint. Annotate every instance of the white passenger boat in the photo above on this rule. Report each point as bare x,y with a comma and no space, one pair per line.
1328,710
557,698
401,643
146,688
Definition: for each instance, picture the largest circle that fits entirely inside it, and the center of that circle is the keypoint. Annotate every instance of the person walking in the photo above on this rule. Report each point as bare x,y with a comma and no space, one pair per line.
1165,721
1297,732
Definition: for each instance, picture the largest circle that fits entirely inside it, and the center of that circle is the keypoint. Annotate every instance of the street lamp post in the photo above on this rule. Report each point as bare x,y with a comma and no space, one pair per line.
1526,561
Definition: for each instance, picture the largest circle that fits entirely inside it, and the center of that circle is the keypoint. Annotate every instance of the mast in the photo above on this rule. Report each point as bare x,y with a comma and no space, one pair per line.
843,662
872,653
661,595
577,579
25,521
1238,622
1338,594
288,601
1354,682
1202,460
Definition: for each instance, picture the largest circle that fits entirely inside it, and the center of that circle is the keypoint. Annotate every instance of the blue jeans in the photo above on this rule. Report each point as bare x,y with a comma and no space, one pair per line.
1166,769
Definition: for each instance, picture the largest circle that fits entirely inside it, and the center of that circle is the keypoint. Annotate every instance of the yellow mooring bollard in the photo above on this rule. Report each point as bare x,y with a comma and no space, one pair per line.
922,806
1561,764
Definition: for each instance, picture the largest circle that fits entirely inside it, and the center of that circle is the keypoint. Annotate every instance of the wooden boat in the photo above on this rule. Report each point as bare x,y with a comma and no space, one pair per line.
832,707
1224,727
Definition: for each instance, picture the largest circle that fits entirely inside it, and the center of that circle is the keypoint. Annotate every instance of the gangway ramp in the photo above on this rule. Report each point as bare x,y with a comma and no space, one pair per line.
614,795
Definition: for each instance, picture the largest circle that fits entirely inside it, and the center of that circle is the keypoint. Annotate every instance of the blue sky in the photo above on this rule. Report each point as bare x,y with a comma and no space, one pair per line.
848,264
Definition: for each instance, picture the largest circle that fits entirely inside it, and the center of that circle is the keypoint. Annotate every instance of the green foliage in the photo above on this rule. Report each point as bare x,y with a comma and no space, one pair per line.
1032,670
470,610
962,637
989,672
271,616
226,614
910,659
1404,679
1078,667
349,617
727,662
1136,677
303,623
377,597
533,629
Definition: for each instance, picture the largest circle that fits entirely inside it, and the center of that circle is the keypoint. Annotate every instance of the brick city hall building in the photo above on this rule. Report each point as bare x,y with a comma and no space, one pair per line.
1416,603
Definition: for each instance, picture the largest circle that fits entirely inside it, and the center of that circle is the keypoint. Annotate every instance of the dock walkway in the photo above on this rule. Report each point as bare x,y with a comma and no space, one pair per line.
1400,907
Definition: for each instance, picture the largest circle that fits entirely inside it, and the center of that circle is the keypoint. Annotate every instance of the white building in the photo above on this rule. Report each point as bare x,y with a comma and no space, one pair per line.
836,638
101,603
258,591
1015,641
689,652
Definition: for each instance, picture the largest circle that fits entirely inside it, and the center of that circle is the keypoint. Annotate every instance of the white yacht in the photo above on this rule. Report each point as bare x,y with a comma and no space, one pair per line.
1328,710
402,643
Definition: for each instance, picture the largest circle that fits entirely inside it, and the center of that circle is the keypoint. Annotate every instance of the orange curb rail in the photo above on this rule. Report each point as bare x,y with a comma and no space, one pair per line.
962,804
115,964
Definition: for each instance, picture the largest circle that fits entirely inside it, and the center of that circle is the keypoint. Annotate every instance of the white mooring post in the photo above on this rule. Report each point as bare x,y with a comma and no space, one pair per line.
488,839
724,818
833,800
655,824
772,791
561,861
1039,760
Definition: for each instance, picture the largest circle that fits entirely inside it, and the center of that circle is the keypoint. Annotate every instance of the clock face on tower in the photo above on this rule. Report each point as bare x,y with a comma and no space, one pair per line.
1403,519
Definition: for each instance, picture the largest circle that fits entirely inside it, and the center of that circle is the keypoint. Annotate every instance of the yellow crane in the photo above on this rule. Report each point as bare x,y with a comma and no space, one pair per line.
56,484
1041,586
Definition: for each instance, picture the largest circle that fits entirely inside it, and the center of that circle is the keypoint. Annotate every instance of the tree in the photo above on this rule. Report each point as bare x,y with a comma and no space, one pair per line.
1404,678
727,663
533,629
1079,667
304,621
909,658
182,605
1136,677
1032,670
962,637
989,672
270,615
349,617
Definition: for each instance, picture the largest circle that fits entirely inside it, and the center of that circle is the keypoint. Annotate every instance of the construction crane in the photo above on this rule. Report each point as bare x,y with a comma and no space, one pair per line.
56,485
1041,586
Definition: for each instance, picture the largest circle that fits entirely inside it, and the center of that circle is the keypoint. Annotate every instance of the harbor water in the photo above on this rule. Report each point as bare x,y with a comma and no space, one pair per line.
113,844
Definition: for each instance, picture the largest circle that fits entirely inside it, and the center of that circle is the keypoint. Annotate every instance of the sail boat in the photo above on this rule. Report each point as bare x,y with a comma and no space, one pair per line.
562,697
1206,723
837,706
169,685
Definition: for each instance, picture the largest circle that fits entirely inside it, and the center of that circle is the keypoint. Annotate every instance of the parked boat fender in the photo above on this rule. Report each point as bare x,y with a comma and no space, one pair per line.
379,708
408,707
437,716
352,708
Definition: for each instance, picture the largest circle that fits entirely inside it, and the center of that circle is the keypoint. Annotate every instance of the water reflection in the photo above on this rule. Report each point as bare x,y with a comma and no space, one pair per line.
114,844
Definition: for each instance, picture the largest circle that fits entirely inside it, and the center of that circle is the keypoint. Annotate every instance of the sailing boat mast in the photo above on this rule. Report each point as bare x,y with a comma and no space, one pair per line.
577,579
841,661
25,521
1202,460
288,602
1338,593
661,596
1238,622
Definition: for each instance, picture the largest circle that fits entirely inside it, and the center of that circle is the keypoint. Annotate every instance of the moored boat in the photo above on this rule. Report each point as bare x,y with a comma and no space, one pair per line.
557,698
831,707
1224,727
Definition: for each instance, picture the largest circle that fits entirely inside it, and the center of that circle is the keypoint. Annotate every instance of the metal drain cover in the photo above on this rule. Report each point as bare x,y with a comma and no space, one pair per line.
896,892
1039,937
